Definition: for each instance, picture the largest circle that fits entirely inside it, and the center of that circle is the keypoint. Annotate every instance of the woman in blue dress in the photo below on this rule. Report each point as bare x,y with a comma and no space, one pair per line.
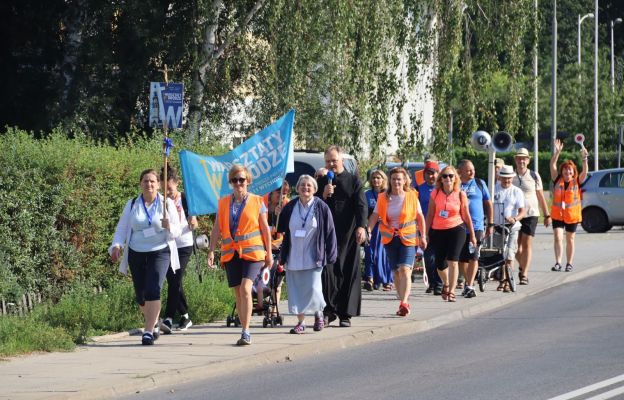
377,271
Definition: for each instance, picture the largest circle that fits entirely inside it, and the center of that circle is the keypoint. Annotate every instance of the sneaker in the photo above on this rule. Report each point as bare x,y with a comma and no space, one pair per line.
156,331
328,319
147,339
299,329
404,309
437,291
568,267
556,267
470,294
319,323
166,327
345,322
185,323
245,340
465,291
368,286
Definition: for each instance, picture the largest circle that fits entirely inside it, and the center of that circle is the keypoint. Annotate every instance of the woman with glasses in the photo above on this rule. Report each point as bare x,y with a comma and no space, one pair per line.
309,245
246,242
448,220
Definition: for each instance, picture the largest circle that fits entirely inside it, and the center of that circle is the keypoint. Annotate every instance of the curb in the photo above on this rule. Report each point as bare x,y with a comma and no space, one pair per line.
294,352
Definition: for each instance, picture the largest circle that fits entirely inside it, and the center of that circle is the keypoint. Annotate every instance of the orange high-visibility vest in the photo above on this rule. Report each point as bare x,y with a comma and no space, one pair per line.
566,205
247,240
407,231
419,177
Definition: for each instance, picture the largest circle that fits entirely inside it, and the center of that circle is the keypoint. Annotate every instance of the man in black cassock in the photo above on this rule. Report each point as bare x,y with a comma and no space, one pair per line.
342,280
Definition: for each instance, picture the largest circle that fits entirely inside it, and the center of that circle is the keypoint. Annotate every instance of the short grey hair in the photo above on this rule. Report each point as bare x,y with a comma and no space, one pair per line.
306,177
336,148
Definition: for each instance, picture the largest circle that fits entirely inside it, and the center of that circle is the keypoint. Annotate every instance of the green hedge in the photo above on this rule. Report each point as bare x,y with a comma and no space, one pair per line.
59,204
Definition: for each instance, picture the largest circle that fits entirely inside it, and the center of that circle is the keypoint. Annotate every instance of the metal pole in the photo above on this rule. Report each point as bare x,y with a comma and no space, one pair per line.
535,94
579,41
553,96
596,86
613,22
612,79
620,145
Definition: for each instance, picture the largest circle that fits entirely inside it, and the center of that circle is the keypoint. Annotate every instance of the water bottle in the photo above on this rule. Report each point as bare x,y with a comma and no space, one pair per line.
471,248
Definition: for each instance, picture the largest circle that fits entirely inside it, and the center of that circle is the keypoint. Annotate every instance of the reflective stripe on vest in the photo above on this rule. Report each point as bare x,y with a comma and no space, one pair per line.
407,230
247,241
567,204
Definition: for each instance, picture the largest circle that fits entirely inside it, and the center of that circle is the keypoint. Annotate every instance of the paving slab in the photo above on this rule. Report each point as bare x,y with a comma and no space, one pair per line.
118,364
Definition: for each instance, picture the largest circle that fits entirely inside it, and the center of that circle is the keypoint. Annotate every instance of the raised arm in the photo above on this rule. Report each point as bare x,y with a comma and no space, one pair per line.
583,173
553,160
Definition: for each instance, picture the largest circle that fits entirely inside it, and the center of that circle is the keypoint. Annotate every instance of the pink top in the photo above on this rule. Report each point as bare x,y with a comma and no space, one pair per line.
447,209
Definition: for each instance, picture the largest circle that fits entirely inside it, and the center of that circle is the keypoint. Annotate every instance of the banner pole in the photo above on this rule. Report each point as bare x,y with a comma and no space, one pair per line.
165,144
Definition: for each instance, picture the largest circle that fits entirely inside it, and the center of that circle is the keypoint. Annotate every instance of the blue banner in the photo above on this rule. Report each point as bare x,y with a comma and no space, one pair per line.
166,104
268,155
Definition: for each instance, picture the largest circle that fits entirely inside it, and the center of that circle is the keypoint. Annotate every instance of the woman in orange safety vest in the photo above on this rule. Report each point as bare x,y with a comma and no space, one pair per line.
402,228
246,242
566,207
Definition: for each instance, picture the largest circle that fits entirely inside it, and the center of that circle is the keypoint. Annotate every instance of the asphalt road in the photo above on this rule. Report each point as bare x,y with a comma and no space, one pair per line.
551,344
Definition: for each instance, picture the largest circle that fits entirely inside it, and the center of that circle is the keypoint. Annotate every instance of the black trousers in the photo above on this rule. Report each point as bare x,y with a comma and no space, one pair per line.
176,300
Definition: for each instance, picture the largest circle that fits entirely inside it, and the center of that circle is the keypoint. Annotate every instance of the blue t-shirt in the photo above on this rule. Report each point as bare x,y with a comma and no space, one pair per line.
476,197
424,194
371,200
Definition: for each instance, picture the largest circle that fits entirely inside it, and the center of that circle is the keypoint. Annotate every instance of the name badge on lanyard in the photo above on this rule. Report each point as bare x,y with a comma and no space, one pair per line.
154,209
300,233
443,214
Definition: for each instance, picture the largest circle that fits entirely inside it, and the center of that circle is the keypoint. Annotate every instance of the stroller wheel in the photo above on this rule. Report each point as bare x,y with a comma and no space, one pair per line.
278,320
265,322
510,278
273,322
228,321
481,279
237,322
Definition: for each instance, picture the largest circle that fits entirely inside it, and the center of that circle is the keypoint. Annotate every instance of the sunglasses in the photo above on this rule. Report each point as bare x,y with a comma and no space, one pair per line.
444,176
238,180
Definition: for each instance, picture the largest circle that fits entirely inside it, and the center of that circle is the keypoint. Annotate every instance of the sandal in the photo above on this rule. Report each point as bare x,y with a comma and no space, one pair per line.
387,287
368,285
506,288
568,267
445,293
556,267
501,286
451,298
523,279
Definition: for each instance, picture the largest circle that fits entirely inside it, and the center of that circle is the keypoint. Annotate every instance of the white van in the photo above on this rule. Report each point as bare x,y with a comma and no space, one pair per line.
308,162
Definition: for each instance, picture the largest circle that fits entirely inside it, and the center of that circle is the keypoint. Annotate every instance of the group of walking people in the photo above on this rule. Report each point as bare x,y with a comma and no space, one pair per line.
316,237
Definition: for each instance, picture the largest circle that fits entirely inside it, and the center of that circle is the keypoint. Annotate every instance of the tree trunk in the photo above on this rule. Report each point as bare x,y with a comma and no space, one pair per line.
74,24
209,54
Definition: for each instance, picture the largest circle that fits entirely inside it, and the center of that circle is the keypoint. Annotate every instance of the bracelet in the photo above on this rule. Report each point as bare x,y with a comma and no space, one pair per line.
546,216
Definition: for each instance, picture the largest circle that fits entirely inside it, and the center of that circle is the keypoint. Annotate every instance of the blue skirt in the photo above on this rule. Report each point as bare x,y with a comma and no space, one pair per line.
376,263
305,291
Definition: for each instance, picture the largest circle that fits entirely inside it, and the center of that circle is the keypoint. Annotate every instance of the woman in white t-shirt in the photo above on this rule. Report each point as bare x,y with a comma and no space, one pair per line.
176,299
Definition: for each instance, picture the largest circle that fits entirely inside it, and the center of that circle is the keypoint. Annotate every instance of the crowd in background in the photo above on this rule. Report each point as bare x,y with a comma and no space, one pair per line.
442,213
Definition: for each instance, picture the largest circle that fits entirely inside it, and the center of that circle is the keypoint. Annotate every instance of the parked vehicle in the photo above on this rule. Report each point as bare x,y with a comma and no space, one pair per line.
411,167
603,200
308,162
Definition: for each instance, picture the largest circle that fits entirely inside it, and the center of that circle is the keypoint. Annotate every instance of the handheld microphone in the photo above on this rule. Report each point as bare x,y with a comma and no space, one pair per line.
330,178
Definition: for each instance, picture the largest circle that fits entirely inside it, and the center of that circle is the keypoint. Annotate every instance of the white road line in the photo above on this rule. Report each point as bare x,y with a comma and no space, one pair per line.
608,395
591,388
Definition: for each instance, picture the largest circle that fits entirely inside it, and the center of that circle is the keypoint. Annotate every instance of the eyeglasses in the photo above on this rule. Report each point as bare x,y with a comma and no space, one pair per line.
238,180
449,176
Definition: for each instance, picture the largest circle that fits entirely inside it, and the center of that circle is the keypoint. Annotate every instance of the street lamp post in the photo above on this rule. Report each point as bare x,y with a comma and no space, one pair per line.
580,21
596,85
613,22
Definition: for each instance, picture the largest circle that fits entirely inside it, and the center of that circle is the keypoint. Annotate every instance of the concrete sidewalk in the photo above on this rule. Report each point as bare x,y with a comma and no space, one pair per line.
118,365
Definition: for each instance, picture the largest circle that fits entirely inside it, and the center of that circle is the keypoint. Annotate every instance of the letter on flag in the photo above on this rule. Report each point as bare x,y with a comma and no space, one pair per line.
268,155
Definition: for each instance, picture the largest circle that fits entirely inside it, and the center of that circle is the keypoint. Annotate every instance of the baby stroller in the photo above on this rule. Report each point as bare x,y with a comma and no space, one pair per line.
492,258
268,280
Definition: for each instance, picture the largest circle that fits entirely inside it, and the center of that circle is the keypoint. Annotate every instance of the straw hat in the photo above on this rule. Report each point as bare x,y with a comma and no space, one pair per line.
506,172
